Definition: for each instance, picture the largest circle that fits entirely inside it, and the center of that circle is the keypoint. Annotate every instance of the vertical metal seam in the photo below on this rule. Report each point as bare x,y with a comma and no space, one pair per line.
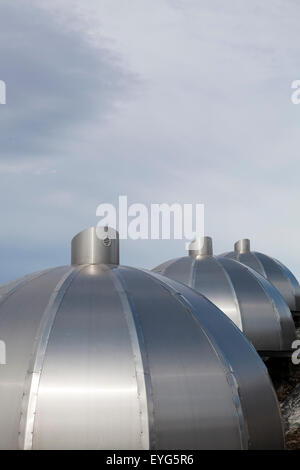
161,268
32,379
139,352
291,286
288,275
230,376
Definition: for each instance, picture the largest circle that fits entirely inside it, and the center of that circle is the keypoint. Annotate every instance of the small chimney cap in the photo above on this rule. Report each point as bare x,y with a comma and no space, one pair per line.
201,246
95,245
242,246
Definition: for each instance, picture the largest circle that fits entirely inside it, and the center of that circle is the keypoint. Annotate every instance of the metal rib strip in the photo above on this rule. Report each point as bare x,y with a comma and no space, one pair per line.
30,395
260,264
228,370
141,369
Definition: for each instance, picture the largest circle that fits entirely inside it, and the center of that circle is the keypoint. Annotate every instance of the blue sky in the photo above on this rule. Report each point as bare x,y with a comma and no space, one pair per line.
163,101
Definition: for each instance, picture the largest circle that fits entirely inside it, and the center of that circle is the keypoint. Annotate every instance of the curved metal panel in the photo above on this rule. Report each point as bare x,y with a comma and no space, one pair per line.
88,393
20,316
209,278
287,327
257,396
196,391
9,289
141,367
213,281
274,271
275,274
242,294
36,362
250,260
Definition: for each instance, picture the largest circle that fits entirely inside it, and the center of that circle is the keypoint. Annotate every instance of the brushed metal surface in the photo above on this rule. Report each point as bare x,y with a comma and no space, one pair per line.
247,298
186,373
88,394
132,360
95,245
201,247
102,356
32,379
272,269
257,396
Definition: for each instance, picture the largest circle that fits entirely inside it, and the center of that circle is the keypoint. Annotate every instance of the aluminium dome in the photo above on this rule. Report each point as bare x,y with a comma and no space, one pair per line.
245,296
102,356
276,272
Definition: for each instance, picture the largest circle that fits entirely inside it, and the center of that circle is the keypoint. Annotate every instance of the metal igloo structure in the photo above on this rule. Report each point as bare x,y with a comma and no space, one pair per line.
103,356
272,269
245,296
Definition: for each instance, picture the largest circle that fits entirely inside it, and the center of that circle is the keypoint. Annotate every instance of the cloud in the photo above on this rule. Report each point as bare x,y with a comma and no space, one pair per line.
170,101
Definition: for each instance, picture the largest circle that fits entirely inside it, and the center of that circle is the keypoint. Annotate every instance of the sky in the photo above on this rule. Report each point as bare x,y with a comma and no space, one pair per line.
164,101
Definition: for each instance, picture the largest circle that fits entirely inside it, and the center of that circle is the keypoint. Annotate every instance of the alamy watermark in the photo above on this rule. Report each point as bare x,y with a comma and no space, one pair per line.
2,92
155,222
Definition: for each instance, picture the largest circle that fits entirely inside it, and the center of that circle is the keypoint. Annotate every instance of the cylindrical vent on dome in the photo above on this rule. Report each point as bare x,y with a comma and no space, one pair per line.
202,246
96,245
242,246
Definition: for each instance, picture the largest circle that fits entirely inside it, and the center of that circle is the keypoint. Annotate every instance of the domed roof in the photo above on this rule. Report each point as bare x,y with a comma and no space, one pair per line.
278,274
102,356
245,296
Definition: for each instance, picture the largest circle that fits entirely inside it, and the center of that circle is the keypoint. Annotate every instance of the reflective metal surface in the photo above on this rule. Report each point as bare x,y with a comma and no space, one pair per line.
245,296
201,247
95,245
278,274
109,357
